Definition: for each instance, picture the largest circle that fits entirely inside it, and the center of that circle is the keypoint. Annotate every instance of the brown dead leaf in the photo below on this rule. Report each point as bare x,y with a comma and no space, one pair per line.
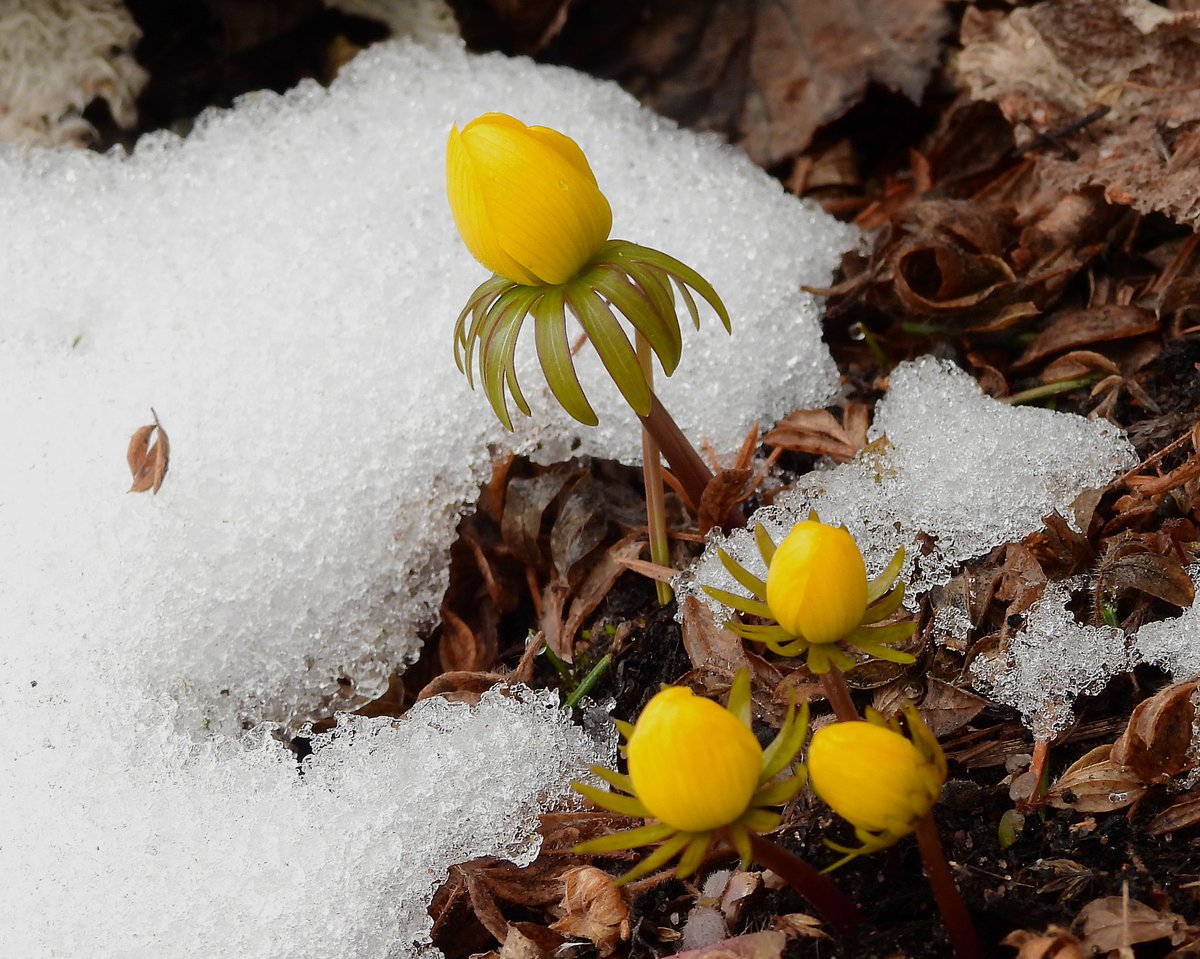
756,945
1077,363
1140,61
936,276
1184,813
706,642
947,709
1094,783
525,503
593,908
148,462
769,75
1098,324
799,925
813,431
1127,564
1054,943
723,493
1157,743
1117,922
526,940
560,630
462,687
460,649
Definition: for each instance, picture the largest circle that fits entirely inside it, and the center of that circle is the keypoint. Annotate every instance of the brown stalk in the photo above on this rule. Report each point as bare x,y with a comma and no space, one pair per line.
958,923
834,905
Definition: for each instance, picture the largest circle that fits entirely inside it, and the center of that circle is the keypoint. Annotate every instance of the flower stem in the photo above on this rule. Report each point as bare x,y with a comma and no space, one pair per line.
691,471
833,684
958,923
656,510
834,905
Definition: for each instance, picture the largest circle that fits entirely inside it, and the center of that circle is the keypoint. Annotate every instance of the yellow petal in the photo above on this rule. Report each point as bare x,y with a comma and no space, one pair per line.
871,776
817,583
464,190
693,764
532,190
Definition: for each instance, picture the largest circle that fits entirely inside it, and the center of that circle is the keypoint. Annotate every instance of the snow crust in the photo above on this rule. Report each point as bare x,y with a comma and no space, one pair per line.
1050,662
951,474
1174,644
281,289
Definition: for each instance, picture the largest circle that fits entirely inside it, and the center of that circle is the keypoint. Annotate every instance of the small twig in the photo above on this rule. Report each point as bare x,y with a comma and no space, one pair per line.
1049,139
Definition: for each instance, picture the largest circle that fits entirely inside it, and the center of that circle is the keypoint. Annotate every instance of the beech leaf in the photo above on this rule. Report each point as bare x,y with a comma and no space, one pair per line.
148,462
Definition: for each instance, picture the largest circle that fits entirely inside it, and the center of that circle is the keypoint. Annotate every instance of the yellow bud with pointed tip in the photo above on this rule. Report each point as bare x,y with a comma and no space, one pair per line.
817,583
693,764
524,199
873,777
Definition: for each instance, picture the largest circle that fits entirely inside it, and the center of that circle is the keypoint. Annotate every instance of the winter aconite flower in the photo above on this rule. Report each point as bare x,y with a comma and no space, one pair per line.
696,769
525,200
817,597
530,210
882,782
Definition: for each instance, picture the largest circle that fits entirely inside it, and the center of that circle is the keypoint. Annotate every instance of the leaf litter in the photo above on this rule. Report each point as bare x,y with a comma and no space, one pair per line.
1038,229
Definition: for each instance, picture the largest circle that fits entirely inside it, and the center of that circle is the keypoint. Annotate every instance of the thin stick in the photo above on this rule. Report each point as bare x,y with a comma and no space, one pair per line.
835,906
957,920
833,684
656,509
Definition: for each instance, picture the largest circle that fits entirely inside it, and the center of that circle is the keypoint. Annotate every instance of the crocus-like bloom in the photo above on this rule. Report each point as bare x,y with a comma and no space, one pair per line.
817,597
817,582
696,769
524,199
529,208
874,777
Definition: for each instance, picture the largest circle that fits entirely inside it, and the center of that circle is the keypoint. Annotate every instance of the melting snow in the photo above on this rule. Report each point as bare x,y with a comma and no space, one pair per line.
281,288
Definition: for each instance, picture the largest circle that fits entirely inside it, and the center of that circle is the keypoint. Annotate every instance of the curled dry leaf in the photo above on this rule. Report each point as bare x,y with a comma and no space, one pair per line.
1095,783
1117,922
1054,943
148,462
1157,743
593,908
935,276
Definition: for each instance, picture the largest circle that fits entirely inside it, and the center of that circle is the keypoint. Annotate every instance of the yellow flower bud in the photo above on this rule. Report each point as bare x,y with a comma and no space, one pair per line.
873,777
694,765
525,200
817,583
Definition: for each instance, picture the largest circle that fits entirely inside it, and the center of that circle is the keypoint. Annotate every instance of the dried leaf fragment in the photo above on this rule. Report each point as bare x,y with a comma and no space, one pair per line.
148,461
1095,783
1055,943
1116,922
593,908
1157,742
